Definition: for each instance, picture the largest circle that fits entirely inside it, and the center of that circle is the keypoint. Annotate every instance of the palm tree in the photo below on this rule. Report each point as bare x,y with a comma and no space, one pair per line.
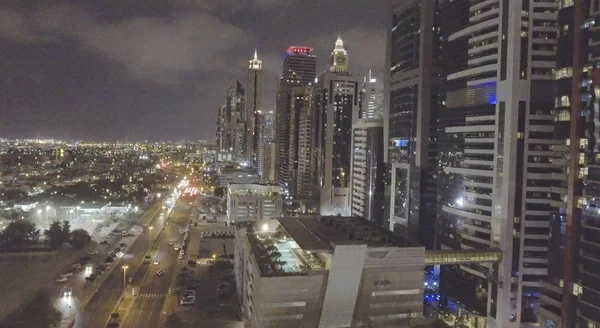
275,255
271,248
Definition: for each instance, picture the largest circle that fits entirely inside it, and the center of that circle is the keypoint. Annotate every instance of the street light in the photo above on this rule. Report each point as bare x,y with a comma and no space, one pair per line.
125,267
150,227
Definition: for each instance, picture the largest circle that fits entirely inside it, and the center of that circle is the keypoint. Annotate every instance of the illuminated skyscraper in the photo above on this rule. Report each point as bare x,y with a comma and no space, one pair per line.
299,68
339,57
254,109
336,108
371,98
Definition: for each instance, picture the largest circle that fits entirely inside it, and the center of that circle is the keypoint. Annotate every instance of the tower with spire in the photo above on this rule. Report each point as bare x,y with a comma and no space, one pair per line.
254,86
339,57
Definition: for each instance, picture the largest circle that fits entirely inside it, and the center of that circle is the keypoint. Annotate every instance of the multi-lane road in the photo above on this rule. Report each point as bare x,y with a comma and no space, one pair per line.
152,290
99,308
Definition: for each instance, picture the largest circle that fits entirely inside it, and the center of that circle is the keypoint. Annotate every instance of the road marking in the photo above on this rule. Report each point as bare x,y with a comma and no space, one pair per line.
151,295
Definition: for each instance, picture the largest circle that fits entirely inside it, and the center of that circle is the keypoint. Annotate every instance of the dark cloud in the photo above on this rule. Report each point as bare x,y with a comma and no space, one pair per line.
158,69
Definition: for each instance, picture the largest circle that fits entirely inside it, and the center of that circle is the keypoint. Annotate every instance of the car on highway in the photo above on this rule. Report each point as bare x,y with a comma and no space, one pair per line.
147,258
93,252
67,292
61,279
67,275
108,259
182,231
76,266
104,242
181,257
156,262
123,244
159,273
91,277
171,243
177,247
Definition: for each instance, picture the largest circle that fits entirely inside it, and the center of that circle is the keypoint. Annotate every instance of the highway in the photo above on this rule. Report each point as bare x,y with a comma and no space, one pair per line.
153,289
99,308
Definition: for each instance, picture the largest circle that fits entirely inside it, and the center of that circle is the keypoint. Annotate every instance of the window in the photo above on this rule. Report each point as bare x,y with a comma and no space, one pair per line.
563,73
396,292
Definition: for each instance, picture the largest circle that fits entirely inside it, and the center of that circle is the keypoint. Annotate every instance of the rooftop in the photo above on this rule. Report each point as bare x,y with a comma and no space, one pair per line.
323,233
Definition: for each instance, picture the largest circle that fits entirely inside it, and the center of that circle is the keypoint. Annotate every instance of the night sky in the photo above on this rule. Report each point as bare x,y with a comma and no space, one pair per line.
157,69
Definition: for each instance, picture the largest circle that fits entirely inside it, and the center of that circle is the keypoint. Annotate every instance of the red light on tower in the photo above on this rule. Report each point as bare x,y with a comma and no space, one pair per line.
300,49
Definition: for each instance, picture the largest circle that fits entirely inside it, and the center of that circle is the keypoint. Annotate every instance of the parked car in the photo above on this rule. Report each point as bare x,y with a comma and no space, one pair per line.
147,258
93,252
104,242
159,273
76,266
123,244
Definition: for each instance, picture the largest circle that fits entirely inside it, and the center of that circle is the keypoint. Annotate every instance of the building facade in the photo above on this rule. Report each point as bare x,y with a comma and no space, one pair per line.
414,89
301,105
336,97
571,289
371,100
253,202
497,152
267,136
355,274
368,170
231,125
299,68
254,87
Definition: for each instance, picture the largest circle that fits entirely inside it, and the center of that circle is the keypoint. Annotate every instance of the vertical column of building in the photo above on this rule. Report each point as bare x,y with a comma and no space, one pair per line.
581,293
299,68
301,149
414,98
253,110
368,170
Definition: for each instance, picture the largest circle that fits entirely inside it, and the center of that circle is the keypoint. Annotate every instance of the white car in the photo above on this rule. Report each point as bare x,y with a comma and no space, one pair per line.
61,279
156,262
93,252
76,266
66,275
68,292
176,247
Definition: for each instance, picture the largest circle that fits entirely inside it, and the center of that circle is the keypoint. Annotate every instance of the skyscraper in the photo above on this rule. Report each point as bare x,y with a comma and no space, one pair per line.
254,109
267,136
339,57
299,68
413,86
571,289
368,170
371,98
234,112
336,107
301,106
496,152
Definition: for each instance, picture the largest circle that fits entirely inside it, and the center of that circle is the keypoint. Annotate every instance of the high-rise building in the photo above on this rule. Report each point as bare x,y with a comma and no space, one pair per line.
269,162
306,184
253,202
368,170
413,86
336,107
299,68
371,98
235,115
254,109
572,287
496,153
267,135
301,104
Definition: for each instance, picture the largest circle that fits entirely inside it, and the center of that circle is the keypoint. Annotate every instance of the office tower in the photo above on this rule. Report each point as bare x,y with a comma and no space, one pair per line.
571,289
254,88
336,107
299,68
269,162
368,170
413,86
267,135
235,115
371,98
496,151
301,104
307,161
218,130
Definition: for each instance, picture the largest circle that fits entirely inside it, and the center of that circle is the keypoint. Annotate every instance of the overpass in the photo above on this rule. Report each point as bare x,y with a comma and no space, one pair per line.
463,256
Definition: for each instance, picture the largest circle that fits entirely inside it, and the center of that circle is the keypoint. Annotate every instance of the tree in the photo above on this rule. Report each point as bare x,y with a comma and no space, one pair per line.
54,233
66,230
80,238
19,233
275,255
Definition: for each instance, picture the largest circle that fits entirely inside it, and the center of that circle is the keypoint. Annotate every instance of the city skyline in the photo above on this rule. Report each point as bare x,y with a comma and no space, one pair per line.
86,81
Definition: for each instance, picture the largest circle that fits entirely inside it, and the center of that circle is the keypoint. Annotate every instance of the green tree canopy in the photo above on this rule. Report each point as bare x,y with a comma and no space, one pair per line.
19,233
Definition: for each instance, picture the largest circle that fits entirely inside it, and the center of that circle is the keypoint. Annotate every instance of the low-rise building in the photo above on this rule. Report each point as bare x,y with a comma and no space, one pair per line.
329,271
253,202
229,175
